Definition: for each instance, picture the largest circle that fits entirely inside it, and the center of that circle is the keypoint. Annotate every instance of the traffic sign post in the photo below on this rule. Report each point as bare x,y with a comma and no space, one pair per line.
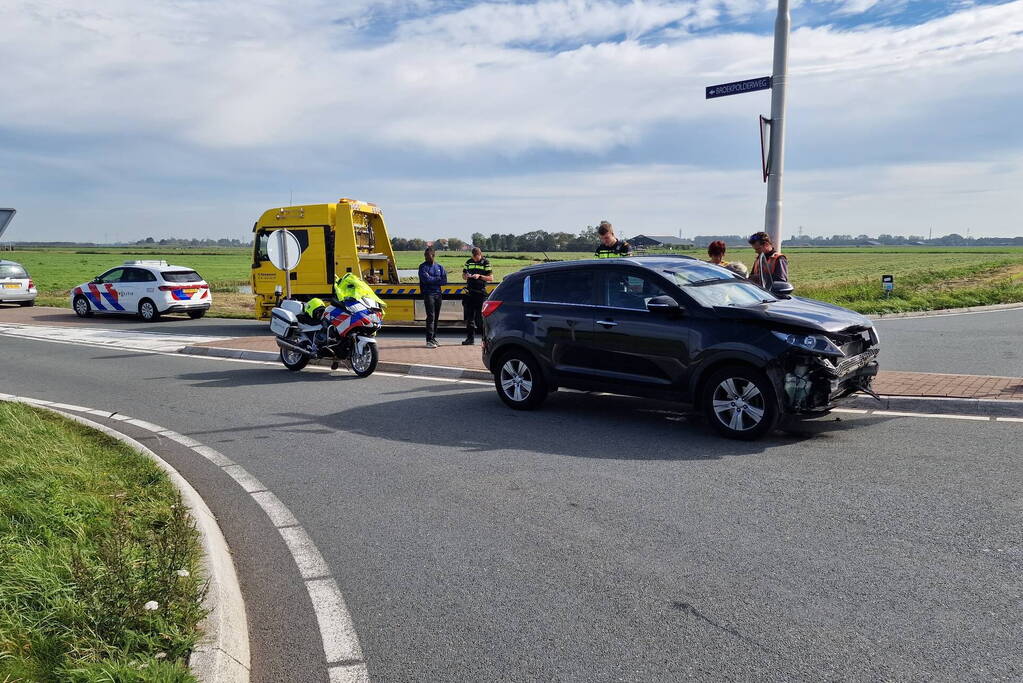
772,212
888,284
284,252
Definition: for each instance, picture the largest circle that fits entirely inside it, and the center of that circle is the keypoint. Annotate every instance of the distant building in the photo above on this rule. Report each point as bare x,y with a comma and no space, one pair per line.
660,242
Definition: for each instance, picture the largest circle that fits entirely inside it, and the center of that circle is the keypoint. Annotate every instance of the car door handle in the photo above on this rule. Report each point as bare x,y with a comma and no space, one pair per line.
533,316
607,323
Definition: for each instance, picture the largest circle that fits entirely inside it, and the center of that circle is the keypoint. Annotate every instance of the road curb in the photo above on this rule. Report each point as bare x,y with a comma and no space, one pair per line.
946,311
410,369
936,405
222,654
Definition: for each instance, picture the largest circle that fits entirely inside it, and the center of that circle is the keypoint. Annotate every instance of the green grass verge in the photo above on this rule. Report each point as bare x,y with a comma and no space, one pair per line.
926,278
91,531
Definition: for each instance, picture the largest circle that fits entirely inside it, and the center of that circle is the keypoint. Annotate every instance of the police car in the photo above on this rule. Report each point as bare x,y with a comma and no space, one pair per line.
148,289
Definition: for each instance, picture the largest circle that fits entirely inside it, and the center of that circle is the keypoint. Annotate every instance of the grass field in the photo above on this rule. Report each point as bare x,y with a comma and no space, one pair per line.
925,277
90,532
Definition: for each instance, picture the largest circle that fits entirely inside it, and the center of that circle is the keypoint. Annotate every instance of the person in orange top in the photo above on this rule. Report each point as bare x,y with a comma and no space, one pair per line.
771,265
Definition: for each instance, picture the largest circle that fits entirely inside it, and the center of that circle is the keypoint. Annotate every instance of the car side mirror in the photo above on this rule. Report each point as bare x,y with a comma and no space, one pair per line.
95,280
782,290
664,305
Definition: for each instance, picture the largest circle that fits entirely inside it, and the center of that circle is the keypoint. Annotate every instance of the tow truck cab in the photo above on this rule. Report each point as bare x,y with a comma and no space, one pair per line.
345,237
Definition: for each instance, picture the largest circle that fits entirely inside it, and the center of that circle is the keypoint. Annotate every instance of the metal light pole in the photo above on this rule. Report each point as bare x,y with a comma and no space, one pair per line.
772,214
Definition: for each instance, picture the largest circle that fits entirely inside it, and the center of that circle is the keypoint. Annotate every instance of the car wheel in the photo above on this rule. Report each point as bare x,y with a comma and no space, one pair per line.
26,304
520,382
195,315
148,311
740,403
82,307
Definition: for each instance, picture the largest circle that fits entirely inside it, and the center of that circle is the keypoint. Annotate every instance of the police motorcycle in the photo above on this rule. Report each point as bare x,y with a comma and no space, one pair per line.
343,329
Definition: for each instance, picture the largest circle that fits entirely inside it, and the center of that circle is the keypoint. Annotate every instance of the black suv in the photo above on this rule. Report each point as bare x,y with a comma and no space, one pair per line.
674,328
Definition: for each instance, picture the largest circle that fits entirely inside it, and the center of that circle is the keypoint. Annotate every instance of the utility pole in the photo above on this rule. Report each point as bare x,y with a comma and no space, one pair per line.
772,214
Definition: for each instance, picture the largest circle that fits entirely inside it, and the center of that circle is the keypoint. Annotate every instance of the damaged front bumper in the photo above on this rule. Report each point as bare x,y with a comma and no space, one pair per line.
812,383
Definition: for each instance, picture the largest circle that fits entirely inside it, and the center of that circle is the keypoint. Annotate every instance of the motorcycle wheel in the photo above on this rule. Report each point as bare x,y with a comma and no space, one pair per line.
293,360
364,364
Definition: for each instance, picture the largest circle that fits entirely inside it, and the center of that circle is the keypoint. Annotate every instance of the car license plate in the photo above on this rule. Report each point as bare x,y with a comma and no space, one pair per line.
12,285
191,291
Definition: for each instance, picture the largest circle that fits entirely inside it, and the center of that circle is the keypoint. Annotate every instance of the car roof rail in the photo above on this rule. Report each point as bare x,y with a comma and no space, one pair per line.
145,262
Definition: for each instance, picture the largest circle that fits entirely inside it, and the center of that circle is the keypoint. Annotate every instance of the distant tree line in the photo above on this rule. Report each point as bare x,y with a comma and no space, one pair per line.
951,240
534,240
185,242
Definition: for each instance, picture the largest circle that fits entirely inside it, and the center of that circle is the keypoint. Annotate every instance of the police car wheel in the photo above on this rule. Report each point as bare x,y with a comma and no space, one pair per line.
195,315
30,302
82,308
740,403
148,311
519,381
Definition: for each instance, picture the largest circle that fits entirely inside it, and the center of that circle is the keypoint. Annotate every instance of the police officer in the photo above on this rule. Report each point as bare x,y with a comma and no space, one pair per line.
610,246
477,274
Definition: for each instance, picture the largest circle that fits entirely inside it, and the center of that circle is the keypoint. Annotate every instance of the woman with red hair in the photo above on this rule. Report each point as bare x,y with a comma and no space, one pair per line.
716,251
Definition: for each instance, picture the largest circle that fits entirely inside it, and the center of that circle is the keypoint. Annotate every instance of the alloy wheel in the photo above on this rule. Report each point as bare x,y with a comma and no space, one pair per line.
738,404
516,380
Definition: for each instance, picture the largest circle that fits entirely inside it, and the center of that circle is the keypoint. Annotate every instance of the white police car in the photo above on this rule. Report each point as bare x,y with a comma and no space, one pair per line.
148,289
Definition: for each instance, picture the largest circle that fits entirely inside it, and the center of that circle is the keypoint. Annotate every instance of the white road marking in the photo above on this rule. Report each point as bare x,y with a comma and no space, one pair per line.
244,479
91,336
277,511
148,426
311,564
340,644
349,673
216,457
180,438
943,315
1009,419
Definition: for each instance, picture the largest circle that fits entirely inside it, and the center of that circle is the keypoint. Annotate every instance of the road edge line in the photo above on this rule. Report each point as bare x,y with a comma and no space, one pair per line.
222,654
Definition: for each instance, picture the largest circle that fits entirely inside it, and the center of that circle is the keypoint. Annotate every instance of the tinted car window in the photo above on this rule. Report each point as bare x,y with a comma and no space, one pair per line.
12,271
182,276
628,290
114,275
562,287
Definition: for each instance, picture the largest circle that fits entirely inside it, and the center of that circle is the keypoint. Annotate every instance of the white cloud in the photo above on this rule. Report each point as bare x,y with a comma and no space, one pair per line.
263,81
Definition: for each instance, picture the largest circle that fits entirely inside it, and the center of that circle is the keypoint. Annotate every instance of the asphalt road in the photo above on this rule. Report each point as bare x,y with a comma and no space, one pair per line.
599,538
986,343
971,344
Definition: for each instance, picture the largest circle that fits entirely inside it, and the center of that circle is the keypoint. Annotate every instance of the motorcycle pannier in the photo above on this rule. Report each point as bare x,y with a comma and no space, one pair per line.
281,322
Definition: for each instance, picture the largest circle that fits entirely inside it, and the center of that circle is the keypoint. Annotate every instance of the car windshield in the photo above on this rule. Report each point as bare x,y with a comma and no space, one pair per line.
8,270
181,276
698,271
712,285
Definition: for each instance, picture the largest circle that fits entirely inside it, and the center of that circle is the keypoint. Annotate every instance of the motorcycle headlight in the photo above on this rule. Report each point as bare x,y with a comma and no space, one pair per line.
811,343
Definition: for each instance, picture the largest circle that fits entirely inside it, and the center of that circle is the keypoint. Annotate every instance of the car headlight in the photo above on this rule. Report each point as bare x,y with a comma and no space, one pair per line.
811,343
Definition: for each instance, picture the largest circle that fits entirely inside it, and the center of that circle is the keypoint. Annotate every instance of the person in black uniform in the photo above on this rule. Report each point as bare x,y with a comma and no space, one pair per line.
477,274
610,246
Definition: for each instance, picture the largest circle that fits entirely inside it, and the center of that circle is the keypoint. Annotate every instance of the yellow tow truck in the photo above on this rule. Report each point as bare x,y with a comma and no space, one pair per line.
346,237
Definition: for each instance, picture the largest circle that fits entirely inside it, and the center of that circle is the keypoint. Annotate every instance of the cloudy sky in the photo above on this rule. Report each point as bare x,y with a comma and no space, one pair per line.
123,119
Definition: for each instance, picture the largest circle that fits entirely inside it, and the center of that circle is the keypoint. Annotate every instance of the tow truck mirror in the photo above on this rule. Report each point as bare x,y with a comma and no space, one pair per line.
664,305
782,290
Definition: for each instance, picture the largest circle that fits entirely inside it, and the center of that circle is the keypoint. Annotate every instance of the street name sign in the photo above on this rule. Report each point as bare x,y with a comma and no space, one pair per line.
738,87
